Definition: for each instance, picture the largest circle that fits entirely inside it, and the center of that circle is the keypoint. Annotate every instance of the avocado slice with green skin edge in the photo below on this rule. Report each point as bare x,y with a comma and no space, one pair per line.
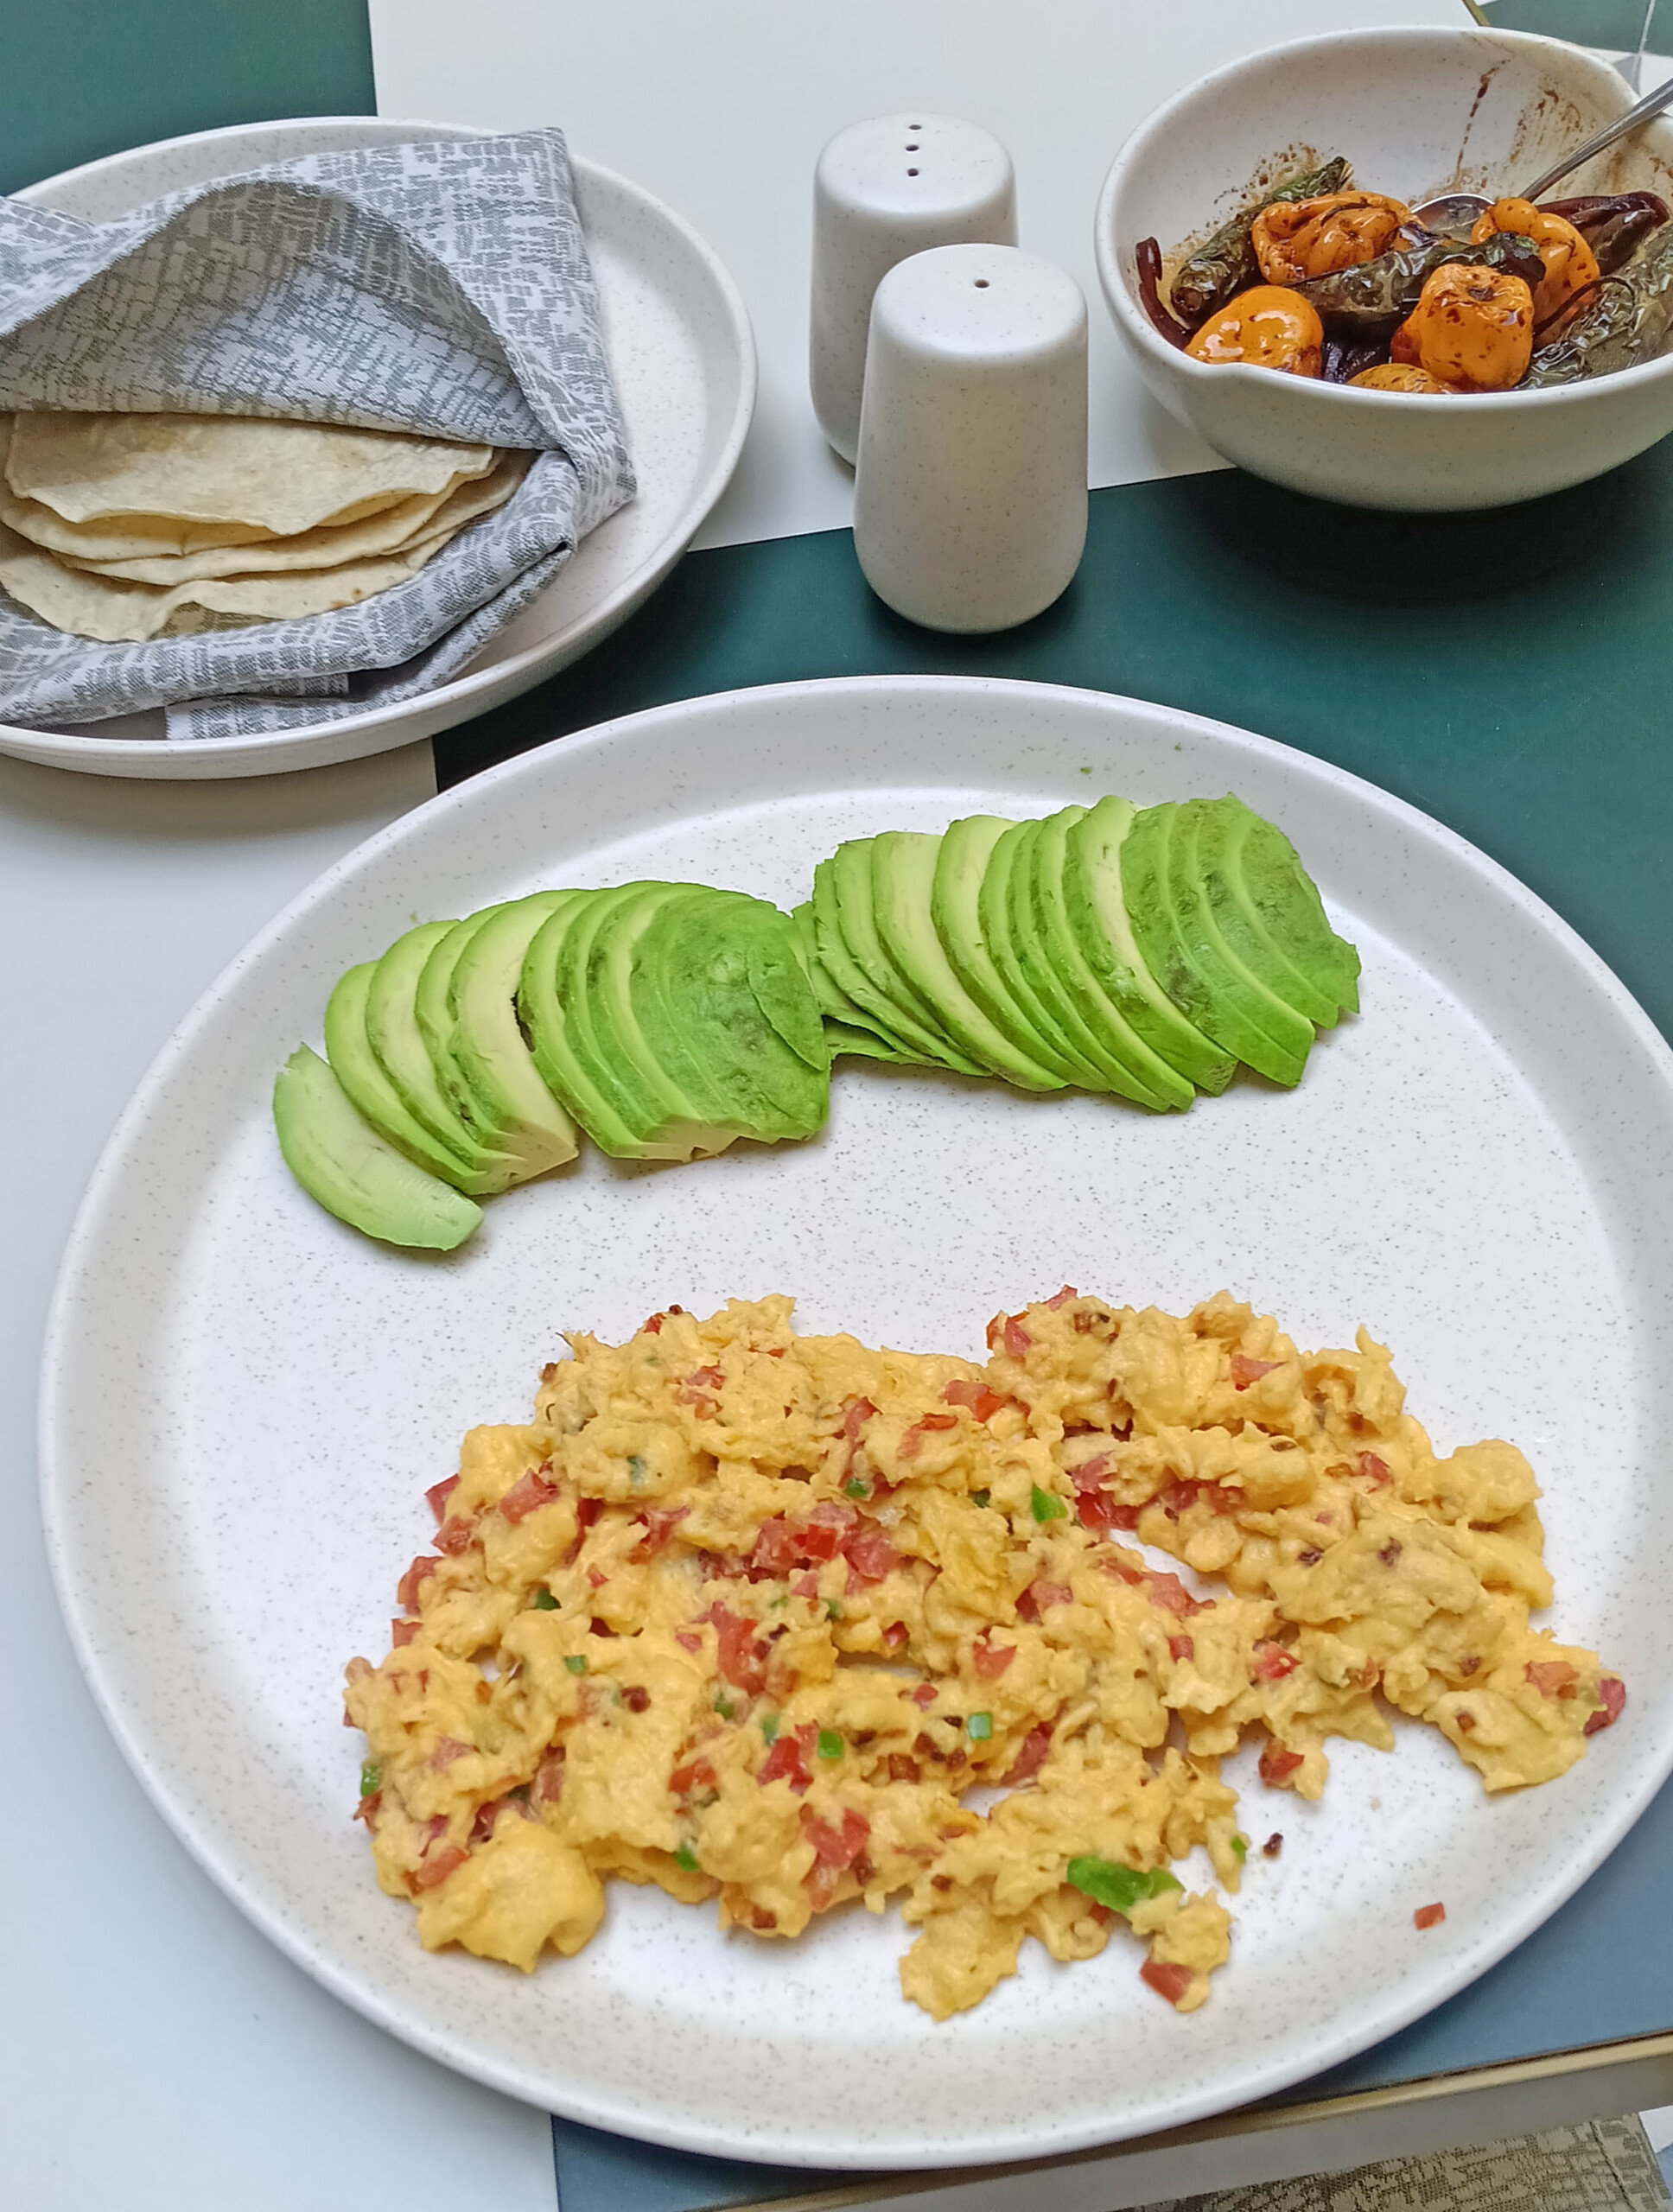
994,919
357,1069
432,1004
1094,900
847,1031
542,1012
512,1105
1176,932
915,1038
1153,1082
716,981
393,1033
1239,927
893,997
961,867
902,888
1265,872
340,1160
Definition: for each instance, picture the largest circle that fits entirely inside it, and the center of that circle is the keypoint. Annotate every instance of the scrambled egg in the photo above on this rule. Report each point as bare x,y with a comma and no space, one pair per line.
746,1615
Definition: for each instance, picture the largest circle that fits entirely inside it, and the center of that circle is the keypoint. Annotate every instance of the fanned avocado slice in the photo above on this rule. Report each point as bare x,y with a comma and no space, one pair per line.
849,1042
720,995
847,1026
339,1159
1264,898
917,1037
902,889
640,1106
994,917
961,868
1176,932
1150,1080
1096,903
357,1068
432,1004
392,1030
511,1103
541,1007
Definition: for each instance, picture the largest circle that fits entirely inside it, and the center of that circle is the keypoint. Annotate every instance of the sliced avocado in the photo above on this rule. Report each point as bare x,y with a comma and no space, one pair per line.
916,1038
1097,905
844,1022
961,867
902,889
1259,889
849,1042
356,1067
340,1159
1120,1047
994,919
541,1007
720,997
432,1005
510,1105
1176,933
393,1033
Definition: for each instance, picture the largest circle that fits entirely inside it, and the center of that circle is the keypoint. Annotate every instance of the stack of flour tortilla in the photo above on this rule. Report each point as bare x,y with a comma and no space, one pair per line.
130,526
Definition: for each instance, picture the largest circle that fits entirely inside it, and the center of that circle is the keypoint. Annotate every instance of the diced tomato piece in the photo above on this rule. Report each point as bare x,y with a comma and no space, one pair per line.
742,1657
856,1414
659,1523
1181,1648
548,1779
1277,1765
437,1865
1133,1576
902,1769
924,1694
1168,1593
1032,1757
1429,1916
407,1589
1372,1469
448,1749
482,1826
524,1495
688,1639
990,1660
438,1498
895,1636
454,1536
912,1442
1063,1297
996,1331
702,1383
653,1327
1103,1515
1167,1980
1245,1370
588,1511
966,1394
1612,1691
1552,1677
1017,1339
402,1632
1272,1663
786,1759
836,1844
697,1775
1089,1475
368,1805
870,1553
1179,1497
777,1548
829,1526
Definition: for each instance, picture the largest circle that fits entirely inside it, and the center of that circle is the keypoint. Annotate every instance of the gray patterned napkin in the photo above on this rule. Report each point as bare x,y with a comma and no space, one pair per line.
440,286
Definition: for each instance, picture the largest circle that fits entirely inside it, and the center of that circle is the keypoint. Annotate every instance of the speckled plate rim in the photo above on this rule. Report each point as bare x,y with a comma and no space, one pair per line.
381,729
1639,1775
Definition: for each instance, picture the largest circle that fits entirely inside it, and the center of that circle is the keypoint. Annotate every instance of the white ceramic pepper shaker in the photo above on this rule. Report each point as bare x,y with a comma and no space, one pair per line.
884,189
969,504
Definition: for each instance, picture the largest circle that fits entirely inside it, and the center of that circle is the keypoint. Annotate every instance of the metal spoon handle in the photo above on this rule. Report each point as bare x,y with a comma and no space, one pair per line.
1651,104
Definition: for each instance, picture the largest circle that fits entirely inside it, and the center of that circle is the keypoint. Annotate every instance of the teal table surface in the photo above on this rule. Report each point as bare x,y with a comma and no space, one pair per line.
1506,673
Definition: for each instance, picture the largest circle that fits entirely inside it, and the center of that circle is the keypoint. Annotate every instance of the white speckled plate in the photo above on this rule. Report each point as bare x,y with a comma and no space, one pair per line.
244,1403
684,361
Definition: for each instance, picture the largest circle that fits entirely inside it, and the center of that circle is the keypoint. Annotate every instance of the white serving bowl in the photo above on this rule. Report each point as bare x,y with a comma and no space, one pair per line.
1418,112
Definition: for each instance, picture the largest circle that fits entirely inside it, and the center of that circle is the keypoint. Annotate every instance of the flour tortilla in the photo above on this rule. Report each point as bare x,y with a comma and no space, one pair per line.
333,545
226,470
106,608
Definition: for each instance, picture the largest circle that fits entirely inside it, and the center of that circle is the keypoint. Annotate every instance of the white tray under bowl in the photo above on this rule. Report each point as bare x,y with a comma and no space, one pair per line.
683,356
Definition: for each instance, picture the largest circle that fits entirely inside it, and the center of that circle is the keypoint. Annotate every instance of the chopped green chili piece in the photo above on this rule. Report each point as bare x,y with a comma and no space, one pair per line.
1240,1848
371,1775
576,1663
833,1609
1119,1887
544,1601
635,1469
831,1744
725,1707
1045,1506
783,1598
979,1727
687,1857
769,1725
980,1497
857,1486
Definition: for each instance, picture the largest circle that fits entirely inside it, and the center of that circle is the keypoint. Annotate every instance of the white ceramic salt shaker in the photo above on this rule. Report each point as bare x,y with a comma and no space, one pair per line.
969,502
884,189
